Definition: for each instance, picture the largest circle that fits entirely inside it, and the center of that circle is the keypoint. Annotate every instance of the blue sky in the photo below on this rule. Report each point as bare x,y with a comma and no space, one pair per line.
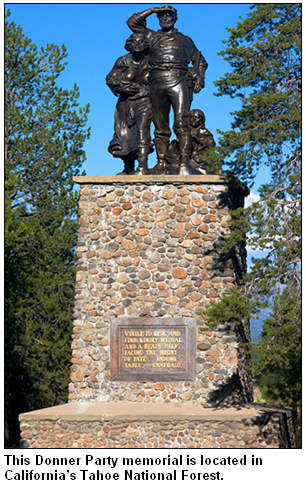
95,34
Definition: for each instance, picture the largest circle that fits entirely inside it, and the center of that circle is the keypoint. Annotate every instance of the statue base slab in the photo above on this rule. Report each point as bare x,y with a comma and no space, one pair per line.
164,425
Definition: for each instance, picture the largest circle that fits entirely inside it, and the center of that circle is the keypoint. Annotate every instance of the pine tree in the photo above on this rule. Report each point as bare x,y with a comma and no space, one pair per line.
278,368
264,52
44,135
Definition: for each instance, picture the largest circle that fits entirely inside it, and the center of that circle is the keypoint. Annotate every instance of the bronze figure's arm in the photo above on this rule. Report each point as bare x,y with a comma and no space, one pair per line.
116,82
137,22
199,67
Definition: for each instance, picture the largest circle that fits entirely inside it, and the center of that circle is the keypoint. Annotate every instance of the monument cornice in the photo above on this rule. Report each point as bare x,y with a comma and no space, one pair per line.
144,179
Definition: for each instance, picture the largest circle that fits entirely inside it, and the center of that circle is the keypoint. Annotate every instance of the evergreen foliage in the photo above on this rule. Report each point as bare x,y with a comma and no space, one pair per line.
278,366
264,52
229,308
44,135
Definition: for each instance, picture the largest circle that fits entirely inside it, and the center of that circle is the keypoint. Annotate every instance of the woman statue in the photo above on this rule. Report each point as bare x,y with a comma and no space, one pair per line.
129,80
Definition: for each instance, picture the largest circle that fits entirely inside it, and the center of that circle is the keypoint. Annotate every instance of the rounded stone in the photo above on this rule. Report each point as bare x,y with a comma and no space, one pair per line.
142,231
122,278
77,377
128,245
162,216
159,386
119,225
143,274
179,273
130,287
174,284
190,210
195,296
187,243
153,256
198,203
210,217
168,193
105,255
147,196
196,219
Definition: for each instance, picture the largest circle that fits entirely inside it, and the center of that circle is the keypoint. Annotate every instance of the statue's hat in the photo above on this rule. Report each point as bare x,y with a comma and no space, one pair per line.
165,9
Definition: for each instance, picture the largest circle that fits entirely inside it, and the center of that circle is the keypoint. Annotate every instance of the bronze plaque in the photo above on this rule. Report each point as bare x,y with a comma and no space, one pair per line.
153,349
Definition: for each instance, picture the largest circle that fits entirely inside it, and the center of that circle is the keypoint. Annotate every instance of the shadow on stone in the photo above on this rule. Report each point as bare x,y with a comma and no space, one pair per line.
230,393
276,425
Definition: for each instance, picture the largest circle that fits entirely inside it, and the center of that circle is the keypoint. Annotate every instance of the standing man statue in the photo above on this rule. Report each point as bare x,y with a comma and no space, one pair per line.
171,81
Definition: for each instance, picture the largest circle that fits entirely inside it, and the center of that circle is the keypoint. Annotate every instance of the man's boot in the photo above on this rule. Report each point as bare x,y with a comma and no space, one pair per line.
162,148
185,148
129,162
142,161
185,168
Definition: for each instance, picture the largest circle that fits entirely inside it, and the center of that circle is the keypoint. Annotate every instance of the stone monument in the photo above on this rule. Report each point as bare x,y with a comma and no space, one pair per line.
146,372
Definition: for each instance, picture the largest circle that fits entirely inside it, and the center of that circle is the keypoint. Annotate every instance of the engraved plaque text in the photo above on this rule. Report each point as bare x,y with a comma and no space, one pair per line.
153,349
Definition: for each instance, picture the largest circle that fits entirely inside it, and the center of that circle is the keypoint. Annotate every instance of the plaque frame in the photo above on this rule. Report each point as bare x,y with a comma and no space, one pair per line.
188,353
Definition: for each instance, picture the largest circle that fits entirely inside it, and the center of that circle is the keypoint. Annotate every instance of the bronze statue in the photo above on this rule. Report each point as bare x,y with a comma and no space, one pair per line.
129,80
171,82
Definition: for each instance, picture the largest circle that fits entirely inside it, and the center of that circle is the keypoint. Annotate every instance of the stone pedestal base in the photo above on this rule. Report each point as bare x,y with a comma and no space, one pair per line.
129,425
145,372
149,260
